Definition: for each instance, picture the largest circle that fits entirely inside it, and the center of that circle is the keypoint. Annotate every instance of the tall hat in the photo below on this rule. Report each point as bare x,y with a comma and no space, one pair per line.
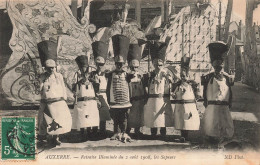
82,61
48,53
158,50
100,50
185,62
121,47
134,55
217,50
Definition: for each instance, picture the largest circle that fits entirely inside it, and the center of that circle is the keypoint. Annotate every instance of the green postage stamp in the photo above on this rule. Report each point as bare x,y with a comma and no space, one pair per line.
18,138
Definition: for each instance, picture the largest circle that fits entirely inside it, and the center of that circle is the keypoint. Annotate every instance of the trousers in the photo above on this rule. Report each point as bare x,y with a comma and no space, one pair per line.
162,131
119,116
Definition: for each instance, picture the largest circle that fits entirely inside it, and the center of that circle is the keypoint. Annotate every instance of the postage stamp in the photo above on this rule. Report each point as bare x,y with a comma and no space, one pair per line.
18,138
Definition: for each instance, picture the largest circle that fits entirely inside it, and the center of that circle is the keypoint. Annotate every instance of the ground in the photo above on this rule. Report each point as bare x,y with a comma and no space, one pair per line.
245,113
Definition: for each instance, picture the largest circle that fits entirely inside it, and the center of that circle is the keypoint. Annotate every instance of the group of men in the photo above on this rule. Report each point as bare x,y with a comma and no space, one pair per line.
131,99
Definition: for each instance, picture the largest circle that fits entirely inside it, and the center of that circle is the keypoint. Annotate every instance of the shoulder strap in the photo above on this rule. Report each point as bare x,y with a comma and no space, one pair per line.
195,87
204,81
229,83
175,85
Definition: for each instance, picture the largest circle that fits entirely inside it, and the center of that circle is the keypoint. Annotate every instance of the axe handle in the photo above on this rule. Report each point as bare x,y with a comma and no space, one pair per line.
76,92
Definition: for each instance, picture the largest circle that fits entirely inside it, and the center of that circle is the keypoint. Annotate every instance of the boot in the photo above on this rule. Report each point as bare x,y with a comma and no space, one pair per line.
94,132
57,141
163,131
128,130
42,138
53,141
84,135
102,129
184,136
153,132
138,133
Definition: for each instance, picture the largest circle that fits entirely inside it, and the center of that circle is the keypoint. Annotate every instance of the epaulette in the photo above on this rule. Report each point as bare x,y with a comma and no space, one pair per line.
191,82
139,75
175,85
205,78
195,87
229,78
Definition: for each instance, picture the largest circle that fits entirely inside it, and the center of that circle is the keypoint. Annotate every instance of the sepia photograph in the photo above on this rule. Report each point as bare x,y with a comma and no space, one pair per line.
130,82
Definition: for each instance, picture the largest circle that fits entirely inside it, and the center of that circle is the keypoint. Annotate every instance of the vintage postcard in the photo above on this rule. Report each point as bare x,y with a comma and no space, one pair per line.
130,82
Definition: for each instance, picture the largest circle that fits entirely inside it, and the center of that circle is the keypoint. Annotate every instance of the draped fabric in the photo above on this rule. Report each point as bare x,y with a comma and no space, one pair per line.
34,21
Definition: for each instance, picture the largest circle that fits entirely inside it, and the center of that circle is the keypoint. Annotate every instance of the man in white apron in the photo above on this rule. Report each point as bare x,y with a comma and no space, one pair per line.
158,112
217,121
185,92
118,89
54,115
86,113
137,90
100,51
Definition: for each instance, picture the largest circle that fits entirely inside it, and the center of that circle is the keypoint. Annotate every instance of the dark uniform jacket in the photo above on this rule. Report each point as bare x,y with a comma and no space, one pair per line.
109,81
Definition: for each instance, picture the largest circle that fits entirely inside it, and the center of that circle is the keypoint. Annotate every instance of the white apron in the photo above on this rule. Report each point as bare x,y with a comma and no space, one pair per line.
217,118
186,116
102,96
158,111
57,115
86,113
136,114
